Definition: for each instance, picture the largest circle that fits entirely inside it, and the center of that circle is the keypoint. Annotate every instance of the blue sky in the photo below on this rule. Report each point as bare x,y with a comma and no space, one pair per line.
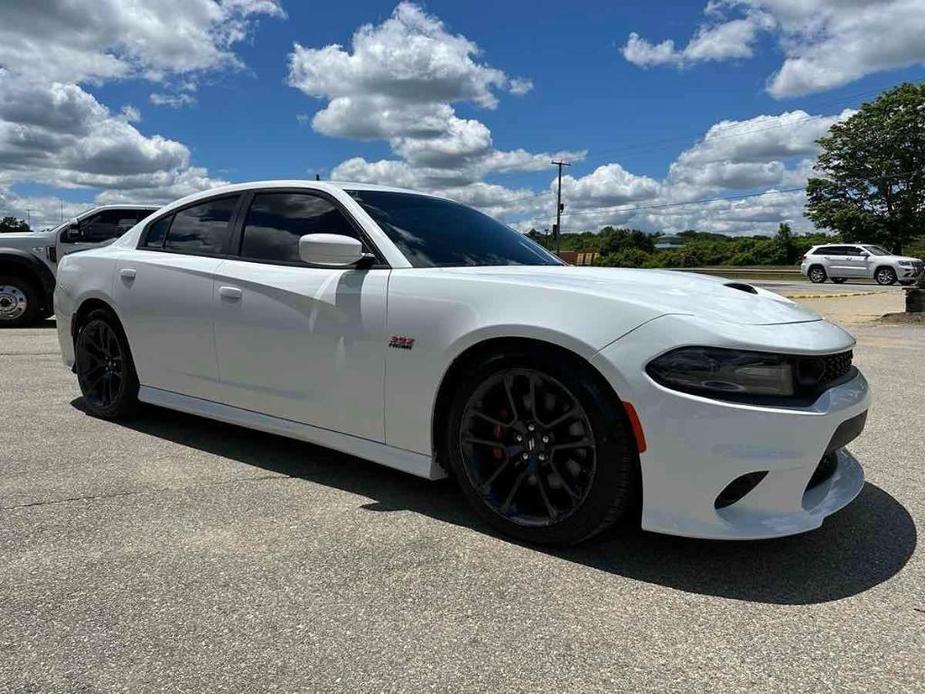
203,92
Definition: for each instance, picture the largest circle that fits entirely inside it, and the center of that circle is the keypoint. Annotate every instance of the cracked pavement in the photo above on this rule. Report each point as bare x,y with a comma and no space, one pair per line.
172,553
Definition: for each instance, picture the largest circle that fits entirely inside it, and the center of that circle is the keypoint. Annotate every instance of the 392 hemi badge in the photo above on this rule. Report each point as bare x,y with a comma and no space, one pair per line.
401,342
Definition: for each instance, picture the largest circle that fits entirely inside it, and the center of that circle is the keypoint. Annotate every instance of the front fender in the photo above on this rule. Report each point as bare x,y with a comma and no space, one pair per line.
446,316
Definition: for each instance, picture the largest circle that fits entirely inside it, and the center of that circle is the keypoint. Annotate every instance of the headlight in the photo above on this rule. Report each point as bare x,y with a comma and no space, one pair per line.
906,263
719,372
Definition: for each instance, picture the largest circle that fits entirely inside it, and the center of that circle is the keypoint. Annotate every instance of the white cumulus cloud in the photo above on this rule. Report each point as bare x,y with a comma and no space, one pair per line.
826,43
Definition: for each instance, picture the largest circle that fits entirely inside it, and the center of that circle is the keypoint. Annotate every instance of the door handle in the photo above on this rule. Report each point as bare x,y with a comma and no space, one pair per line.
128,274
229,293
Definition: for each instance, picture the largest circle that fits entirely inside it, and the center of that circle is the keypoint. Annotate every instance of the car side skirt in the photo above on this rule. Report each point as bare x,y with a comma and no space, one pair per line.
390,456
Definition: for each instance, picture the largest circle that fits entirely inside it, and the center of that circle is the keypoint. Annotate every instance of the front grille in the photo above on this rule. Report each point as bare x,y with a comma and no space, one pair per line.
836,366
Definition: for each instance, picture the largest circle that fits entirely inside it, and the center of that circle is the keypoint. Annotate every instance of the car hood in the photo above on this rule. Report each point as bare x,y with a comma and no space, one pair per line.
23,239
662,291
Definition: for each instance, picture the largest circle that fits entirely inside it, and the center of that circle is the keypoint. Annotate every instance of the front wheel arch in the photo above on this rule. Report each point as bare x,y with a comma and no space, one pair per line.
617,498
890,270
501,345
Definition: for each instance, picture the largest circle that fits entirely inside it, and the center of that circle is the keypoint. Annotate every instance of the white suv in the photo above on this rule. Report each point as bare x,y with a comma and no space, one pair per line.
843,262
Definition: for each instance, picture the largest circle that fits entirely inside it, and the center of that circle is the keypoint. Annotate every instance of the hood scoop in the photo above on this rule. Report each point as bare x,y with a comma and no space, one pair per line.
742,287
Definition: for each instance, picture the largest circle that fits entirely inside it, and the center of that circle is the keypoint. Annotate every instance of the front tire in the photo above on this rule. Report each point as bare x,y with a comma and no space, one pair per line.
816,274
105,370
19,302
885,275
541,449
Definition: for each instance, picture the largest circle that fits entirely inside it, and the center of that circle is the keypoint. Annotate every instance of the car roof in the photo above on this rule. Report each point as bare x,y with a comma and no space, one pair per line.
325,186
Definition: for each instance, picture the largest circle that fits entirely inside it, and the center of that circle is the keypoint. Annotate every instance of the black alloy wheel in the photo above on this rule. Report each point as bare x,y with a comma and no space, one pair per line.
528,447
541,448
105,371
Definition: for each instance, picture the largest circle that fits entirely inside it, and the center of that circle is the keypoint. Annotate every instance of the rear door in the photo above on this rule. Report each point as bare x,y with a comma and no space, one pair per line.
298,342
836,258
164,292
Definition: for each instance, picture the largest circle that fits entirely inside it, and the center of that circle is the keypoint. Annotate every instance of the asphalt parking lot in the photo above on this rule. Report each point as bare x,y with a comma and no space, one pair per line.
175,554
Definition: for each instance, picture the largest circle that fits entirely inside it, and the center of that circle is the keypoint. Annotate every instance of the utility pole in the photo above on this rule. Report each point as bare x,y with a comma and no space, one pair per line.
557,230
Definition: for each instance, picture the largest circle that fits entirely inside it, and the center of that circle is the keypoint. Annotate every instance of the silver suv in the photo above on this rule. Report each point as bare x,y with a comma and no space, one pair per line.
28,261
856,261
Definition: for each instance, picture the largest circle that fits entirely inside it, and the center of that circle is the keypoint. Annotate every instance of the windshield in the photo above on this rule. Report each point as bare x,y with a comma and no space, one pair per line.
876,250
431,232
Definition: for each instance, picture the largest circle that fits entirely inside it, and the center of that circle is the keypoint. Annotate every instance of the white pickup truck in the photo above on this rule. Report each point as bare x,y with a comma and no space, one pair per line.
28,261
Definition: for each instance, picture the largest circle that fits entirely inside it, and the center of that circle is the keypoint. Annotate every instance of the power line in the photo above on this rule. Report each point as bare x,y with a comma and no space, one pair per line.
654,144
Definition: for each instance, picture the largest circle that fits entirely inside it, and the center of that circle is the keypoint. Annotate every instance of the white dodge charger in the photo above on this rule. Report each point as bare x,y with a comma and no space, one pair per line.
421,334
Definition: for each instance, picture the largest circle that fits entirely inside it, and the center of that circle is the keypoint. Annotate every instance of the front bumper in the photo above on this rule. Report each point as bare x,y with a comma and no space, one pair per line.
697,446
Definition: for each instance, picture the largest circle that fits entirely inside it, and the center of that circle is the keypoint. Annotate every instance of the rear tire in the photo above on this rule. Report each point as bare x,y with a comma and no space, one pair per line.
565,467
19,301
838,280
105,370
816,274
885,275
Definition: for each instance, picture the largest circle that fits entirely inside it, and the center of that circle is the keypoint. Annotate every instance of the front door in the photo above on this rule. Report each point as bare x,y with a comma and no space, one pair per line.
99,229
298,342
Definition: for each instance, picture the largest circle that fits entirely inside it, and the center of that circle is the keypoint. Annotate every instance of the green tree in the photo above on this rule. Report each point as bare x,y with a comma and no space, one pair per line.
12,224
786,252
872,186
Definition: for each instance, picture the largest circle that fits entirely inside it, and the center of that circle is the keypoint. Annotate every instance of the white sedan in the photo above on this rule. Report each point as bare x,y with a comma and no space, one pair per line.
421,334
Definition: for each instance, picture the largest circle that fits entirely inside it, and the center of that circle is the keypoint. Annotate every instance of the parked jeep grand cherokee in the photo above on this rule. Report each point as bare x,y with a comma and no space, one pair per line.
28,261
855,261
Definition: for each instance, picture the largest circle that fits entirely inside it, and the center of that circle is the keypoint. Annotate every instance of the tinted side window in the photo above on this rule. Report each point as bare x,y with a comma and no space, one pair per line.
852,250
276,221
202,229
821,250
157,232
107,224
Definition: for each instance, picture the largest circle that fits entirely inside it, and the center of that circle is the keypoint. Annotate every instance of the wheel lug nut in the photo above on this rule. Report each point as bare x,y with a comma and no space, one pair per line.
542,456
519,438
545,439
525,456
530,427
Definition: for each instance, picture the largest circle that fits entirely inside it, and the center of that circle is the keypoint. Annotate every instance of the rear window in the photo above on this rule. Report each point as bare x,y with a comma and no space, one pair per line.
202,229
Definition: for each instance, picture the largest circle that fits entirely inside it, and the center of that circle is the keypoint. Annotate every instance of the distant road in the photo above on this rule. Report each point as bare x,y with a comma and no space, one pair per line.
788,280
802,286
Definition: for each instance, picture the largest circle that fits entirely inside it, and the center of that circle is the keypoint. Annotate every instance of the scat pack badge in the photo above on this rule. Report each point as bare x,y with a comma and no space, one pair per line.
401,342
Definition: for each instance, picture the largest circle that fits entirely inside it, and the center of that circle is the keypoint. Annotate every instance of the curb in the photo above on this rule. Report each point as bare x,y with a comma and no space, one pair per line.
831,296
